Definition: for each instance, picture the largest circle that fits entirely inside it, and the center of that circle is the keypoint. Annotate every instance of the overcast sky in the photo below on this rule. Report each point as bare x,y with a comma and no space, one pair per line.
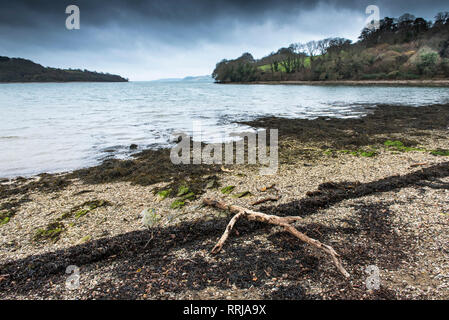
152,39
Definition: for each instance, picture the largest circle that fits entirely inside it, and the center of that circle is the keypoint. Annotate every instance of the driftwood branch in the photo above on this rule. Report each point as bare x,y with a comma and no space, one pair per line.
284,222
415,165
255,203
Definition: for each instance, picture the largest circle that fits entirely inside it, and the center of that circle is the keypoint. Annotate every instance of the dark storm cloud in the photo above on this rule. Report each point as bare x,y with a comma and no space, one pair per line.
41,23
149,30
98,12
184,12
181,20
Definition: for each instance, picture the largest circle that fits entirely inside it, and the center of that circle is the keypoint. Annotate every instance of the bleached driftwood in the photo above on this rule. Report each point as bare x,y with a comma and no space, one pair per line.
284,222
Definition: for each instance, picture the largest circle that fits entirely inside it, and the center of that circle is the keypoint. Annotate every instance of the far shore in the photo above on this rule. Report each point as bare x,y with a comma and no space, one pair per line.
58,82
408,83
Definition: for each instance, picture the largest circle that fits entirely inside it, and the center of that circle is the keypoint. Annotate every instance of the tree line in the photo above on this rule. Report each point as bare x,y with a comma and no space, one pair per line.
401,48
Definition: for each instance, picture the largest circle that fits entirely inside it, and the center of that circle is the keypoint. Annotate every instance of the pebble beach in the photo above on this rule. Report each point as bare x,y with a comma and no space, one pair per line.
375,188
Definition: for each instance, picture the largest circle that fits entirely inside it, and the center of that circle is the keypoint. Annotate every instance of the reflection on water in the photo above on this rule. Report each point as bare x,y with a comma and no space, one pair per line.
59,127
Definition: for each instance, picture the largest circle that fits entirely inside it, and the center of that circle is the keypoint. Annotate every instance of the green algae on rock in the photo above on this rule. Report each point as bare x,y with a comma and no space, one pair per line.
51,232
227,190
5,217
177,204
440,152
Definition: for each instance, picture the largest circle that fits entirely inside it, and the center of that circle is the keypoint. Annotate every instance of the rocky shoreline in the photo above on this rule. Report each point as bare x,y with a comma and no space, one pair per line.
375,188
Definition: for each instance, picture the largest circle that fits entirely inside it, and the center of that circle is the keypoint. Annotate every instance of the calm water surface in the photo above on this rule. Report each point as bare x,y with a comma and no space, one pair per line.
60,127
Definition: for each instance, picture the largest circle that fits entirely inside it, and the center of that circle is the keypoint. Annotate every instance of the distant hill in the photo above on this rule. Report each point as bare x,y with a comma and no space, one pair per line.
189,79
22,70
199,79
404,48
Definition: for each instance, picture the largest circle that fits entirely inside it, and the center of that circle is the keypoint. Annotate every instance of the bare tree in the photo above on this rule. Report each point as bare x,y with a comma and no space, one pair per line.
299,51
337,44
323,45
442,18
312,49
